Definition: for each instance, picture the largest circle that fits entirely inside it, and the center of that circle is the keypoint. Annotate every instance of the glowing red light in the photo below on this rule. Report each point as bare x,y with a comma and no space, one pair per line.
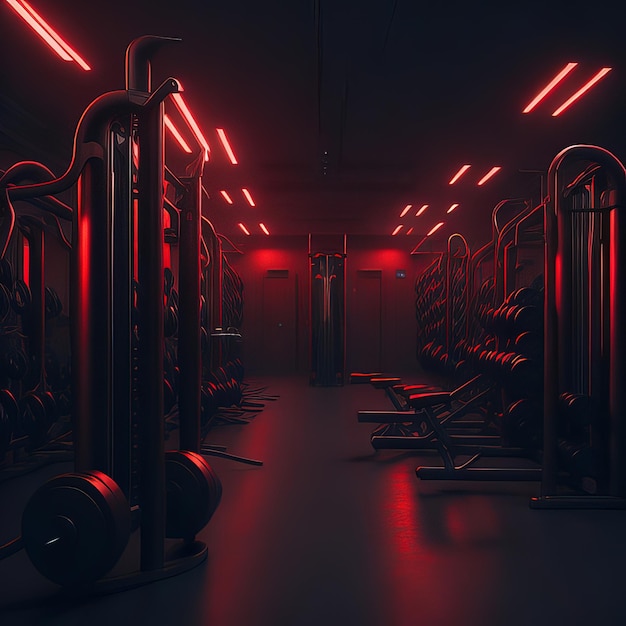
181,105
263,227
246,193
586,87
226,144
46,32
226,196
424,207
243,228
452,207
549,87
408,232
434,229
176,134
459,174
492,172
406,209
397,229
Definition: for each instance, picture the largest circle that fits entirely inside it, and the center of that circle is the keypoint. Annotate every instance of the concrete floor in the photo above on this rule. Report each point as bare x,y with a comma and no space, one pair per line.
330,533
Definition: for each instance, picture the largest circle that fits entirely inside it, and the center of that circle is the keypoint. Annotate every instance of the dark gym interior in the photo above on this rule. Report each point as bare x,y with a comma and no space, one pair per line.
311,313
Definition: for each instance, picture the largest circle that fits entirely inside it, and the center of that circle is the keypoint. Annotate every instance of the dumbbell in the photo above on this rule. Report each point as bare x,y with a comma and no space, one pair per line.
524,422
575,410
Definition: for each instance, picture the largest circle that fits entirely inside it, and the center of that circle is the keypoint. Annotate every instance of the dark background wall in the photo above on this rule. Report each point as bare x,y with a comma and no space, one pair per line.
380,313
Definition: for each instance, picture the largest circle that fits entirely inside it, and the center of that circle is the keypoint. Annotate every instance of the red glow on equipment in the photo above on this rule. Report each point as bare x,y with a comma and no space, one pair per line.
46,32
243,228
246,193
586,87
182,107
459,174
434,229
406,209
226,196
424,207
226,144
492,172
550,86
176,134
452,207
397,229
263,227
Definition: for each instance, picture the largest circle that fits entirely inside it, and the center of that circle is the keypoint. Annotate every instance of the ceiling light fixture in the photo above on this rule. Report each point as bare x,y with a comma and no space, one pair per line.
452,207
460,173
406,209
424,207
176,134
246,193
492,172
434,229
229,151
408,232
549,87
46,32
226,196
397,229
586,87
263,227
243,228
182,107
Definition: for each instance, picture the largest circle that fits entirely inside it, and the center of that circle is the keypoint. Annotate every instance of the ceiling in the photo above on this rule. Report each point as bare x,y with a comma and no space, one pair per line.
342,112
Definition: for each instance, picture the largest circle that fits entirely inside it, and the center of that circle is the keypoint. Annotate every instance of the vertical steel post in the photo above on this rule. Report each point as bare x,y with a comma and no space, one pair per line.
189,349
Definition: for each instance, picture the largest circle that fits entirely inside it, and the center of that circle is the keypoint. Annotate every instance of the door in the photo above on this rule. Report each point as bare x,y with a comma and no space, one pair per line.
279,329
364,322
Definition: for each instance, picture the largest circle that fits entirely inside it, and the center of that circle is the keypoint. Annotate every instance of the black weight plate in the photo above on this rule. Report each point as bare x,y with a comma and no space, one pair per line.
6,273
22,298
75,527
15,364
34,419
193,493
5,303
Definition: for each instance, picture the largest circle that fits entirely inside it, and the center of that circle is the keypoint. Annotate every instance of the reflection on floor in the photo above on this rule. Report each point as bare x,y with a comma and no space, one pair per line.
330,533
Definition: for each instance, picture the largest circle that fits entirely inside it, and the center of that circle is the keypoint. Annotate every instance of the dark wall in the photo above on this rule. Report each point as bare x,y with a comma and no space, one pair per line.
380,312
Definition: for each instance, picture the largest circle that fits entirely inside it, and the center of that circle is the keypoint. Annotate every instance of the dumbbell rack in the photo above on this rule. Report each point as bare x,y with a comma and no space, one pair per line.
584,462
117,353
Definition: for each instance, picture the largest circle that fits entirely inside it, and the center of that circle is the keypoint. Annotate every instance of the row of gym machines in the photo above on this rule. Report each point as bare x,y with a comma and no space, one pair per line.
149,340
527,335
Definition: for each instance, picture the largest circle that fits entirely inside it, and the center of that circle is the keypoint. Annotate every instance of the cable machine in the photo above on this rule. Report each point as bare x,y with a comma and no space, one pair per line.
585,343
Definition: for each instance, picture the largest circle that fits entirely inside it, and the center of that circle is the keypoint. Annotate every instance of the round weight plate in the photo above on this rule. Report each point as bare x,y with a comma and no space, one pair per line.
193,493
21,297
15,364
34,418
5,303
75,527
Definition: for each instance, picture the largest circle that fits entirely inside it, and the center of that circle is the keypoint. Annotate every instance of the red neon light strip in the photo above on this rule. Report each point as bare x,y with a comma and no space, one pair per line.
492,172
176,134
452,207
406,209
248,197
459,174
424,207
549,87
46,32
226,144
186,113
435,228
263,227
586,87
226,197
408,232
245,230
397,229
